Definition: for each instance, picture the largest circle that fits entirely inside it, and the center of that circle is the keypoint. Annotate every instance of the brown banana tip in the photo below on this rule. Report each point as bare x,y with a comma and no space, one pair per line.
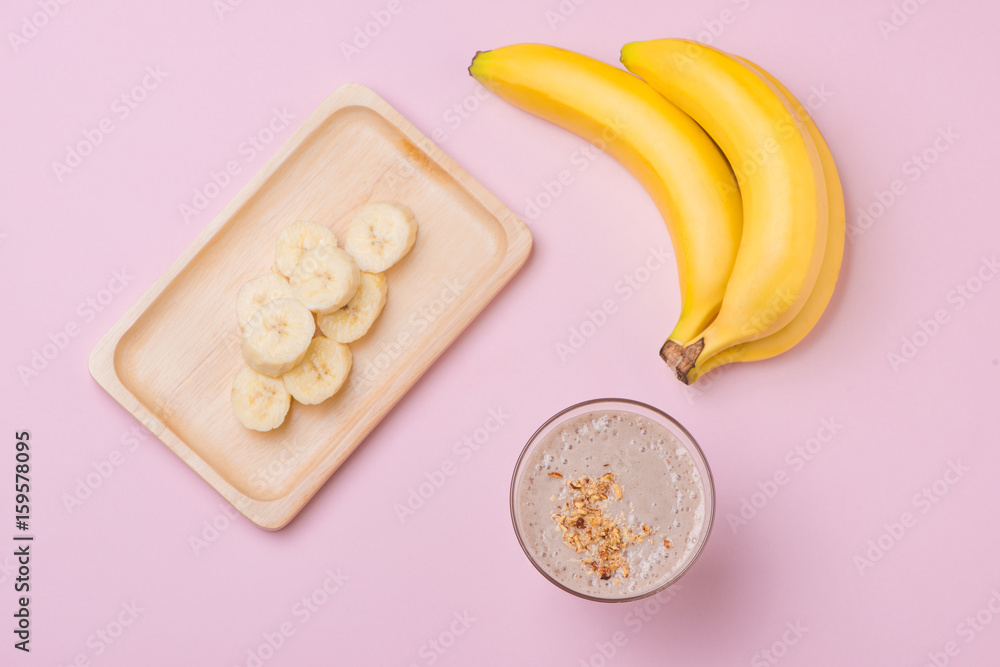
690,354
682,359
670,352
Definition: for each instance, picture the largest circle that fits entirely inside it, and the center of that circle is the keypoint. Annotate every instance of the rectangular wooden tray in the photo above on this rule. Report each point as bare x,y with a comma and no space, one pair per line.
172,357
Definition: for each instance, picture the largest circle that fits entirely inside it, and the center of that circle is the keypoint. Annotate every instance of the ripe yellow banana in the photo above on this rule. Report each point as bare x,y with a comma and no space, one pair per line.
785,212
793,332
671,156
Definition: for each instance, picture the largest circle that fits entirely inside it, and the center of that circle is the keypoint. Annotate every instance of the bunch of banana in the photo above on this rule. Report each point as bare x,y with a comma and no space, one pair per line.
757,273
314,284
675,160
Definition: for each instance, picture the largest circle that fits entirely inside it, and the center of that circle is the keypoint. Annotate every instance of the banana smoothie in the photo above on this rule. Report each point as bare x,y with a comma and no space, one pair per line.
611,504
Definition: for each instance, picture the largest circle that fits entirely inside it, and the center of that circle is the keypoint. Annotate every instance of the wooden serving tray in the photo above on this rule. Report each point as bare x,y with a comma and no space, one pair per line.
172,357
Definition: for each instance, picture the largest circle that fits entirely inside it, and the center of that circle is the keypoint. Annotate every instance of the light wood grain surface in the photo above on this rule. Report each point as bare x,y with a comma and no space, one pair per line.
172,357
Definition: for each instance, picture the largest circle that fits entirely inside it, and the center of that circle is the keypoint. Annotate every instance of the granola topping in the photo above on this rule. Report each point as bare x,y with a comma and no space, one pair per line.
590,530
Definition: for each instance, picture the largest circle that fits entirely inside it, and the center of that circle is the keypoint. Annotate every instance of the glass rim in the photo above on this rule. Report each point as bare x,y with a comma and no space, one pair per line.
691,445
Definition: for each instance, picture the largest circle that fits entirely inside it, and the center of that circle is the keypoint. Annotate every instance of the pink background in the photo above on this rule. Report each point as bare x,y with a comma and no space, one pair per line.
898,426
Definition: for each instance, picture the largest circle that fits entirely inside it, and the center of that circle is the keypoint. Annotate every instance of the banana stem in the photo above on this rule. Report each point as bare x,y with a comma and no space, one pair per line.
681,359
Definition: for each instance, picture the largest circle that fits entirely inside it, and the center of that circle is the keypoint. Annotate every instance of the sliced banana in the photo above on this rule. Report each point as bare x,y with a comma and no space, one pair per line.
277,336
298,238
258,291
259,402
321,373
325,279
347,324
380,234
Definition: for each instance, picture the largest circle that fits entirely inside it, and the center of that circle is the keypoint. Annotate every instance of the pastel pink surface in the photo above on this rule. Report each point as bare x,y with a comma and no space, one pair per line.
215,595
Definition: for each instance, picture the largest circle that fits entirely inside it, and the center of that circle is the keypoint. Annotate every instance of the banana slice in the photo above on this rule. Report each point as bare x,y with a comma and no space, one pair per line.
380,234
259,402
298,238
277,336
325,279
258,291
321,373
347,324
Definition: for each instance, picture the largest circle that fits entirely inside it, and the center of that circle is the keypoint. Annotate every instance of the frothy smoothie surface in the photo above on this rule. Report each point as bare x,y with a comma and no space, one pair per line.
610,504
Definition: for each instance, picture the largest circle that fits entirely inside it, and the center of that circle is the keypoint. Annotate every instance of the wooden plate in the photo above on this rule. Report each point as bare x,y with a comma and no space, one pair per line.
172,357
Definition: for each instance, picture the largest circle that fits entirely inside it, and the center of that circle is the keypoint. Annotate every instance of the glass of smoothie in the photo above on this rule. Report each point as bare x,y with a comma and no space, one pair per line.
612,500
